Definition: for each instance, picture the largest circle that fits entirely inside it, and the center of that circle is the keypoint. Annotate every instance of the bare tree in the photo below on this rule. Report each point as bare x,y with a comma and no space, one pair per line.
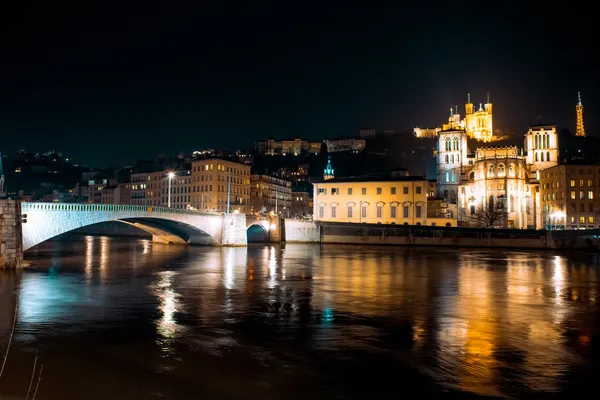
490,215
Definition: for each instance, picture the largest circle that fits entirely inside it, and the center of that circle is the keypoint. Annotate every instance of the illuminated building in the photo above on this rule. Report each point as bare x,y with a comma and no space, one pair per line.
477,124
285,147
301,205
345,144
579,129
216,183
392,199
490,174
146,188
180,190
570,196
269,194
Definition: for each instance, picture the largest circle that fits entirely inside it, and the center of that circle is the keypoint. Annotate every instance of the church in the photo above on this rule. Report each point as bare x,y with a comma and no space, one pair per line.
480,177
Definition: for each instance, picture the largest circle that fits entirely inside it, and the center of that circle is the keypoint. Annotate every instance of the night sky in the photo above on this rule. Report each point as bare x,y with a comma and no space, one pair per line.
116,83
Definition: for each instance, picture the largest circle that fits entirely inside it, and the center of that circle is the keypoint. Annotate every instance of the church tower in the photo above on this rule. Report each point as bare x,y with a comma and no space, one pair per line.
478,124
541,147
451,157
328,173
579,129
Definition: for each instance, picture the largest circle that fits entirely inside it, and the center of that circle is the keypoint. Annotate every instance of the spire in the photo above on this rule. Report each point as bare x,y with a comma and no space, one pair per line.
455,109
579,128
451,112
480,107
469,98
488,98
328,173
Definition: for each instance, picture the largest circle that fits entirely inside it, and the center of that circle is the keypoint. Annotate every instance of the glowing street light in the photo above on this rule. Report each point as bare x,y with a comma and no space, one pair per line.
170,175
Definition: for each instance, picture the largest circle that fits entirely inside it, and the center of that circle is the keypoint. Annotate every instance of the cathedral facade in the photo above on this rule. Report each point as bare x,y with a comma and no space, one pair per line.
484,176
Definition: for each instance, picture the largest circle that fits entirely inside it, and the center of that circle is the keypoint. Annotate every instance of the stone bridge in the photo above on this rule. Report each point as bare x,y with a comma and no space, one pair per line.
24,225
43,221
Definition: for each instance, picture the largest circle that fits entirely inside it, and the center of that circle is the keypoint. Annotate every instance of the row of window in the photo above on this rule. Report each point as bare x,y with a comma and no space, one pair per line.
582,208
573,195
378,211
541,142
451,158
210,167
540,156
405,190
451,144
590,183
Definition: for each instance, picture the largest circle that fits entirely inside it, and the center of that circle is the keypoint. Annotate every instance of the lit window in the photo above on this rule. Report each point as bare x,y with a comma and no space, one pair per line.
581,183
591,220
582,220
590,183
572,182
572,195
572,220
581,195
590,194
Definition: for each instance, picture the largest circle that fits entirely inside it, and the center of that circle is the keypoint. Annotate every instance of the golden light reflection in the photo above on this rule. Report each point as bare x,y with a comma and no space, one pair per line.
89,257
104,256
146,246
468,337
558,278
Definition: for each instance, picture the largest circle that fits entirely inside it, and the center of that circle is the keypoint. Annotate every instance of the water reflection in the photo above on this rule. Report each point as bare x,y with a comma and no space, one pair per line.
168,305
491,323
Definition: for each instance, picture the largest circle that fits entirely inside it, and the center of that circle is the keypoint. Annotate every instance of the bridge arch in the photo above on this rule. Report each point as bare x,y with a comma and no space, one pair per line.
43,221
258,232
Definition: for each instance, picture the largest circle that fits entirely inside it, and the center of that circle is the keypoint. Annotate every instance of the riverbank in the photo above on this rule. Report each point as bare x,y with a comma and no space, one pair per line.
459,237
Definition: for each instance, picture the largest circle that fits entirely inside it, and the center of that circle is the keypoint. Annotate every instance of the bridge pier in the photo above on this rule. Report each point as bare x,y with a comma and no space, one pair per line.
234,230
11,234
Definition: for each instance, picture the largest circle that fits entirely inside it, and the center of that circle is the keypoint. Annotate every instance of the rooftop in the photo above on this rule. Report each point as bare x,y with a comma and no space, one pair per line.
372,178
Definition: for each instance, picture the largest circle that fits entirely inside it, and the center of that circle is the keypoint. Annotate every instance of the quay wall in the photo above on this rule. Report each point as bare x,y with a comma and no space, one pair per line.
377,234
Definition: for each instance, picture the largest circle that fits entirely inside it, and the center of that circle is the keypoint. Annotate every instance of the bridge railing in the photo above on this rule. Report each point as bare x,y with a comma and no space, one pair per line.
26,206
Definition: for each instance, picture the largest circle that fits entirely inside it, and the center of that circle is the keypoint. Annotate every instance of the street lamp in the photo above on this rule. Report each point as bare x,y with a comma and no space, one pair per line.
170,175
558,216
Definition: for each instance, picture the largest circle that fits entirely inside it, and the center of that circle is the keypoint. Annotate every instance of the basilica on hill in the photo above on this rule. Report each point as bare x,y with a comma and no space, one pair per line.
484,175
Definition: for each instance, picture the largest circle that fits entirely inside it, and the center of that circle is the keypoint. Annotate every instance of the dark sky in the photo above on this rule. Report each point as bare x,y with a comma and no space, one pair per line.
112,83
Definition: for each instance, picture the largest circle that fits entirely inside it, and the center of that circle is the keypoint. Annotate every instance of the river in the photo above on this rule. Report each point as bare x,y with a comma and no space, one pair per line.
116,318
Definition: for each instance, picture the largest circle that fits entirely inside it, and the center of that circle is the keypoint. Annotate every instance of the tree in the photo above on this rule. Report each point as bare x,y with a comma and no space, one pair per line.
490,215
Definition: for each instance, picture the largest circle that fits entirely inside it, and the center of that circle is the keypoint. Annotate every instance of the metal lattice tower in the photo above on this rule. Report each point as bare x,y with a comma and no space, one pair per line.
579,129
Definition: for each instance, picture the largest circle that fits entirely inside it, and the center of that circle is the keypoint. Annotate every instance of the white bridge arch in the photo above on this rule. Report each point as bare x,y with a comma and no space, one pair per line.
43,221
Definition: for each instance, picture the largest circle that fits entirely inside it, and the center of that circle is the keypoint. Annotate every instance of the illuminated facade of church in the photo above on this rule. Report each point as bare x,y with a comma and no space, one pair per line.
477,124
494,174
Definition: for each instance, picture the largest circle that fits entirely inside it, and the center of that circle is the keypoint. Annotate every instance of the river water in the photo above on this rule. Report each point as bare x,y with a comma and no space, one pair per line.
115,318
